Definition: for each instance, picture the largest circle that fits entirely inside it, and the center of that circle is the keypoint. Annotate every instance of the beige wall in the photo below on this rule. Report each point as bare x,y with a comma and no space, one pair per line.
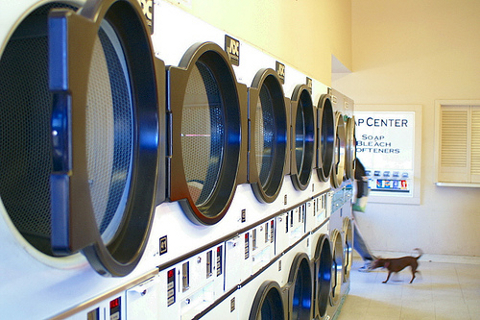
401,52
301,33
414,52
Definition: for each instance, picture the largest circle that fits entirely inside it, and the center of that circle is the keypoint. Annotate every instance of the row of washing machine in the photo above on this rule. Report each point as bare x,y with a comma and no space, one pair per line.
119,173
294,265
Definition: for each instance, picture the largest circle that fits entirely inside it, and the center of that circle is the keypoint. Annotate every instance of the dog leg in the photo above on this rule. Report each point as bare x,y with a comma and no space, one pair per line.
388,277
413,274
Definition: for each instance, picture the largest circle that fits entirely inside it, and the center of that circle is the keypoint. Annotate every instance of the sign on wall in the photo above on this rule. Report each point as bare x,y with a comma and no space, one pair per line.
387,145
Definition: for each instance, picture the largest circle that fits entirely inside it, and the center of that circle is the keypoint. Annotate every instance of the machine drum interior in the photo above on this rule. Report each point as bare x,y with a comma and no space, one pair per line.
25,137
304,138
269,137
351,143
264,126
206,133
105,135
268,304
301,301
323,272
348,248
325,138
203,133
109,133
337,267
338,170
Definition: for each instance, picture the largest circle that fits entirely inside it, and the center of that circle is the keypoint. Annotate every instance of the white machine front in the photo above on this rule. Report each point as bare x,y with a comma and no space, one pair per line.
155,167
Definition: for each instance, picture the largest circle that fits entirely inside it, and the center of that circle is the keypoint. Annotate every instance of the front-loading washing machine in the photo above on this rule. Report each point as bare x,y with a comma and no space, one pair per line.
81,151
286,288
266,283
269,135
105,132
303,137
207,137
336,271
337,175
322,274
347,231
351,143
342,198
208,127
344,106
341,178
325,142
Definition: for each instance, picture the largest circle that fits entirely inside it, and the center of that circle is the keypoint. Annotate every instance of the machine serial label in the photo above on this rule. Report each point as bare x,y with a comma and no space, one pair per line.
163,245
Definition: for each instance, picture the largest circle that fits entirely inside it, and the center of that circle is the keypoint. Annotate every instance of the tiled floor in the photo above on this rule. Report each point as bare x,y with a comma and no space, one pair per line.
443,290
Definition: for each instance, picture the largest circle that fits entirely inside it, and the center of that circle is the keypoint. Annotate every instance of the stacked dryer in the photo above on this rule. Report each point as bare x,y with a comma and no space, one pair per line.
181,184
342,177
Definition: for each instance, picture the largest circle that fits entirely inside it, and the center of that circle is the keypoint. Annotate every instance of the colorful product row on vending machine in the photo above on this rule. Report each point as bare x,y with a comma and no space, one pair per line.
396,181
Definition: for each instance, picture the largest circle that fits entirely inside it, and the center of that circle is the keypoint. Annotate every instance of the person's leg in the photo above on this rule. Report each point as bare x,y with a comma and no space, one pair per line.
360,189
361,247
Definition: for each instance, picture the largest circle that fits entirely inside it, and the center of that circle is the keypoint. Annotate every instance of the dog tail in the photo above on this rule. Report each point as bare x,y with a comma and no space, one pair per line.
420,252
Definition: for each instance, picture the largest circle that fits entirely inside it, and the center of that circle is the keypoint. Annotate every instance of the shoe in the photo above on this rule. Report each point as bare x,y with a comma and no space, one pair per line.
356,207
366,267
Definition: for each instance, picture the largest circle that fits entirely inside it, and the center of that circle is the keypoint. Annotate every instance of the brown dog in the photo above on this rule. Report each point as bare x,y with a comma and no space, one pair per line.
398,264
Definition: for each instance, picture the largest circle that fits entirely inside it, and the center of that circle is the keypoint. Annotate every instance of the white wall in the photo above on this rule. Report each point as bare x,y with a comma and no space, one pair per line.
414,52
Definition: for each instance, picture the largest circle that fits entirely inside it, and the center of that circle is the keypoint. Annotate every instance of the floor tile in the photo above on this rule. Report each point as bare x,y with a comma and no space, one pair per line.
441,291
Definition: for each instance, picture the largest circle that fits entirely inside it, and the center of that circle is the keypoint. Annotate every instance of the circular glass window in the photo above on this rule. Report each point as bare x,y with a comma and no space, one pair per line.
202,133
348,247
207,125
302,293
337,267
350,148
269,136
300,138
326,138
323,264
304,140
338,170
264,135
268,304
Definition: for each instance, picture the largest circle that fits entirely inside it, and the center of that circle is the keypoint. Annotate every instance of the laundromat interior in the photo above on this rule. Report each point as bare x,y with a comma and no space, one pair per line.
195,159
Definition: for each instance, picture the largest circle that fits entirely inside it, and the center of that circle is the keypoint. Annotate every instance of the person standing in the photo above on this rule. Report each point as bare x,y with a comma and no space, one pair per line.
359,243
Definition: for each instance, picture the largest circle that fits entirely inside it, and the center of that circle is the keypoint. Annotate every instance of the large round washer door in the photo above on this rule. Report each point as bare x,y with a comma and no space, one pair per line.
337,267
268,135
347,248
301,288
25,134
206,131
338,170
105,133
350,145
325,137
323,275
268,304
303,127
